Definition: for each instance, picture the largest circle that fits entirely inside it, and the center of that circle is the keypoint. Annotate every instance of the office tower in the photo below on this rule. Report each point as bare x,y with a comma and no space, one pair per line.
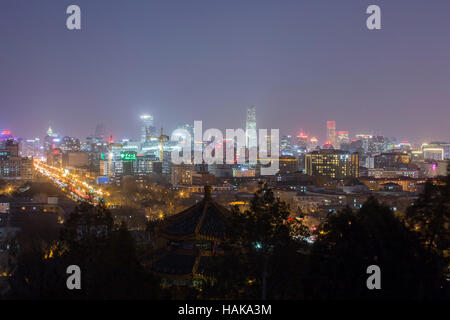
100,132
313,143
286,145
331,132
12,166
302,141
30,148
335,164
70,144
288,164
341,138
147,128
185,126
50,140
75,159
250,128
365,141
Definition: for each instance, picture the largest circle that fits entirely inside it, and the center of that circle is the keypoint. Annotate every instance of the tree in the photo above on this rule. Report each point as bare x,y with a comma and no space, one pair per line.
106,255
349,242
263,257
429,217
31,268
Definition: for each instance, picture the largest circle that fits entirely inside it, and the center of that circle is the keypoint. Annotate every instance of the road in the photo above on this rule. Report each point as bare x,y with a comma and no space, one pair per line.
76,188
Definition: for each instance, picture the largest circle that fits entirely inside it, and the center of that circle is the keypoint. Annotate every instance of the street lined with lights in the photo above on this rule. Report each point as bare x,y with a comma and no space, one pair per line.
76,187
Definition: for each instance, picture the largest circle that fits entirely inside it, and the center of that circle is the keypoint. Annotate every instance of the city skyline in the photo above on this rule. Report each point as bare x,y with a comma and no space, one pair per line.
174,61
137,135
224,151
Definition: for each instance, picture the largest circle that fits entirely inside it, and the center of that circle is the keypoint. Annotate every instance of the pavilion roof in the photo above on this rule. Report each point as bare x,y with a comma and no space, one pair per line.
206,220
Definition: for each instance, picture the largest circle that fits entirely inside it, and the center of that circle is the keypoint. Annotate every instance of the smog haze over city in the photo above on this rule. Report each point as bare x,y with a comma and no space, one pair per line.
300,62
240,152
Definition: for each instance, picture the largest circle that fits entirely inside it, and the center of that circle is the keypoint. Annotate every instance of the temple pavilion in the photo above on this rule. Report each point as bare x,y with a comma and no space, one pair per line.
188,241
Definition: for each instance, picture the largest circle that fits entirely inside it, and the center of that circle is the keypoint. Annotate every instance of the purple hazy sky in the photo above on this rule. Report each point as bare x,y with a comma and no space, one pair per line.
300,62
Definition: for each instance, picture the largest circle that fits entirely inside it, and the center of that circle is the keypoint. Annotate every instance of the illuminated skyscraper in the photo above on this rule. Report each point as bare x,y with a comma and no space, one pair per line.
100,132
250,128
70,144
302,141
286,145
313,143
331,132
50,140
341,137
147,127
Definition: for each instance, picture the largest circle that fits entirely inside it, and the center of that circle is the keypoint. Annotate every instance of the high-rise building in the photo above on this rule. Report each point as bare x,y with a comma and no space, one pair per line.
302,141
250,128
147,128
365,141
335,164
70,144
50,140
331,133
100,132
75,159
31,148
286,145
182,137
288,164
341,138
313,143
12,166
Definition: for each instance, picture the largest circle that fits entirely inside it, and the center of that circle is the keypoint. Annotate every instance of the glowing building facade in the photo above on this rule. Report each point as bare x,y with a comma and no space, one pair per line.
250,128
147,128
331,133
335,164
341,138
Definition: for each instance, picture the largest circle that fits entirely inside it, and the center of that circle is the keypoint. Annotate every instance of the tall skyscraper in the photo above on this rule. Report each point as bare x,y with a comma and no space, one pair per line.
100,132
313,143
147,127
250,128
341,138
302,141
49,140
286,144
331,132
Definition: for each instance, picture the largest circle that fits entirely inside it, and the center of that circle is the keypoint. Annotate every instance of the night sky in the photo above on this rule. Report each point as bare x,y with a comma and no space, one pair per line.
299,62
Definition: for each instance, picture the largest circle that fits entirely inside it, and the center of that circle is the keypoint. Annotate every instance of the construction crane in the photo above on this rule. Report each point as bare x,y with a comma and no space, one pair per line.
161,139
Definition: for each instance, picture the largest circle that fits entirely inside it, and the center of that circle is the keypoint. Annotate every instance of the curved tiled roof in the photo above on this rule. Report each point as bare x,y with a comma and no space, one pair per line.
205,220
